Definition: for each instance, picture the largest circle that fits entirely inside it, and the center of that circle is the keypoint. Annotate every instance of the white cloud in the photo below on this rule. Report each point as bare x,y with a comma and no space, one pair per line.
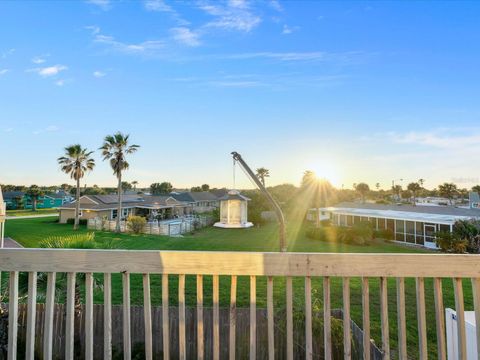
288,30
4,71
49,70
99,74
440,138
7,53
39,59
283,56
235,15
186,36
102,4
60,82
93,28
143,47
275,4
157,5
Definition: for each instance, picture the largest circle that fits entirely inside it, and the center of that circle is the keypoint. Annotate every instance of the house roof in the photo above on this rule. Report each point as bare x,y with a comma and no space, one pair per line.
107,202
8,195
194,196
234,195
438,214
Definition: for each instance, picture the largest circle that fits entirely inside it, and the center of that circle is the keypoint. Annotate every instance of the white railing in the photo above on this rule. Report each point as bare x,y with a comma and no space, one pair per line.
232,264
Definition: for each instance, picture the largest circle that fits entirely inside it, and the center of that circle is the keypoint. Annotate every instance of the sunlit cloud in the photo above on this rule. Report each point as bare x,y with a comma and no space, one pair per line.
185,36
157,5
235,15
99,74
102,4
49,70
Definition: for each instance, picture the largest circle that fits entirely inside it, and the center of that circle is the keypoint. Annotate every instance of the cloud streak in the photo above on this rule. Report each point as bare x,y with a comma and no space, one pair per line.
235,15
144,47
49,71
185,36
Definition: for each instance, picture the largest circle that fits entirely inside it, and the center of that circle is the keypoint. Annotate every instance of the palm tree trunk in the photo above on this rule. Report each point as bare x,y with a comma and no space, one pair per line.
77,206
34,203
119,209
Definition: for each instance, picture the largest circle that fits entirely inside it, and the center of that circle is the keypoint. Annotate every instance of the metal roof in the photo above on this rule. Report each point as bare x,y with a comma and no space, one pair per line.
433,214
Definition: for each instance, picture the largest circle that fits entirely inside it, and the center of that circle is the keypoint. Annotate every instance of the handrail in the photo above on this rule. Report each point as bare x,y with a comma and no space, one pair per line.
241,263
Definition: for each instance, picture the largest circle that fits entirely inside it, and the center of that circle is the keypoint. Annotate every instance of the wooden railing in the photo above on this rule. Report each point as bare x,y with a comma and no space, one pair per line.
235,264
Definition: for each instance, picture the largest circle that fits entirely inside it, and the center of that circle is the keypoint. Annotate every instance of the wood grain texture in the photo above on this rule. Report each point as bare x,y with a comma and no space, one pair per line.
107,316
127,339
384,318
48,325
12,315
308,319
253,317
165,318
347,343
216,317
200,332
270,320
240,263
88,316
182,341
233,318
366,318
147,315
439,319
289,305
460,310
327,325
401,320
421,318
31,316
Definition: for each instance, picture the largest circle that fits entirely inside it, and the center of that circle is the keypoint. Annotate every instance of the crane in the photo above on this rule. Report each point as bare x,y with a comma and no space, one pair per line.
278,211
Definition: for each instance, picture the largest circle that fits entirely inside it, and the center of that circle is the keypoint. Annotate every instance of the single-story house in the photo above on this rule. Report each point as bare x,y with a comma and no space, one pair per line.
410,224
21,200
105,207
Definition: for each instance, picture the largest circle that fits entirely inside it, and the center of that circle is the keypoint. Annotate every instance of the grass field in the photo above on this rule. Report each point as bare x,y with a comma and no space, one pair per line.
29,232
29,212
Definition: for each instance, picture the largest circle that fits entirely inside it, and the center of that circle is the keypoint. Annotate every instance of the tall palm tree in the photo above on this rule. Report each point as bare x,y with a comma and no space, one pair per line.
263,173
76,162
115,148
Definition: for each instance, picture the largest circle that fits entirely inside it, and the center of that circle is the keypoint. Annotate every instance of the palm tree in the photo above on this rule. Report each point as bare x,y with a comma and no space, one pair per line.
76,163
115,148
377,186
421,182
263,173
34,193
135,183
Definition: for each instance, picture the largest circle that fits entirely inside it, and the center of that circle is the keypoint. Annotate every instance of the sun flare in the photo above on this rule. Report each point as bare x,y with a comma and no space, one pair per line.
325,170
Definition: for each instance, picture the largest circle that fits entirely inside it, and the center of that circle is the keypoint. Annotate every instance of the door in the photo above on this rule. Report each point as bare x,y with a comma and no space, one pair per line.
429,231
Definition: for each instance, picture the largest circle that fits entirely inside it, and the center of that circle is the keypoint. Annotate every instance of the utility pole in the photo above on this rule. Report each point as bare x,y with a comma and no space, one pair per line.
276,207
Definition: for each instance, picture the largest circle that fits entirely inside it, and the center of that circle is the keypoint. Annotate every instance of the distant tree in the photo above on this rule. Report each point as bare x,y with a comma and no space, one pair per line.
76,162
421,182
161,188
448,190
476,188
263,173
397,190
463,193
362,189
34,193
205,187
196,189
65,187
134,184
377,186
126,186
18,201
414,188
115,148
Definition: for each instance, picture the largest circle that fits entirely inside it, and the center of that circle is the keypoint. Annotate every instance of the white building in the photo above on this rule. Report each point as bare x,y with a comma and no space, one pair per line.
233,211
409,224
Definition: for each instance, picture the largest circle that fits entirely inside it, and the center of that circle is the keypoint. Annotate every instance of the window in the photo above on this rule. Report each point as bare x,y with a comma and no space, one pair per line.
445,228
114,213
399,230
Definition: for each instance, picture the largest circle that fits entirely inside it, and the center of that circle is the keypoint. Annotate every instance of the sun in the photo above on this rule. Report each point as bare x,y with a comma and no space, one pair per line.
325,170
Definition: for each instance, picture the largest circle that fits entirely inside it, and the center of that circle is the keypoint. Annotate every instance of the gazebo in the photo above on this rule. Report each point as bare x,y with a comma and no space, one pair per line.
233,211
2,218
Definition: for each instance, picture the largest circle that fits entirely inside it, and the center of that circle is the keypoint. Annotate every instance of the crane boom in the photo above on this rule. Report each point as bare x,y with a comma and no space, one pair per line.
276,207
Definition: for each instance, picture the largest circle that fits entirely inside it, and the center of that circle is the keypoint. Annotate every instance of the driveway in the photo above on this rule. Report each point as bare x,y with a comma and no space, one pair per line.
11,244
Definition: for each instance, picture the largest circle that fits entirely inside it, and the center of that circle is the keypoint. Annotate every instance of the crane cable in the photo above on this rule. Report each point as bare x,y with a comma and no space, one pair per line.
234,166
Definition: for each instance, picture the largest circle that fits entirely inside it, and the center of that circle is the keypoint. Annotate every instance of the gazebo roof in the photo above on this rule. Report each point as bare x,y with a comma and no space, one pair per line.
234,195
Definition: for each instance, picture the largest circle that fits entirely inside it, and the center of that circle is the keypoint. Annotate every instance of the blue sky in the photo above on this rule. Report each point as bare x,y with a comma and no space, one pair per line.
357,91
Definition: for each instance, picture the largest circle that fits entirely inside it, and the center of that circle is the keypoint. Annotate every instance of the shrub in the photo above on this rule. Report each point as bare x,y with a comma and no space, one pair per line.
136,223
362,233
451,243
83,222
76,241
385,234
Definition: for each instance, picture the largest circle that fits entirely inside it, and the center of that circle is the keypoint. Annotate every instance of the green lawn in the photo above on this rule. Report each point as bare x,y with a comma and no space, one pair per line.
29,212
29,231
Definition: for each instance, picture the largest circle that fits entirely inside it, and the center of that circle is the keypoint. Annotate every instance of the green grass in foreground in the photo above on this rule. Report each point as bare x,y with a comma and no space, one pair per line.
30,231
29,212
